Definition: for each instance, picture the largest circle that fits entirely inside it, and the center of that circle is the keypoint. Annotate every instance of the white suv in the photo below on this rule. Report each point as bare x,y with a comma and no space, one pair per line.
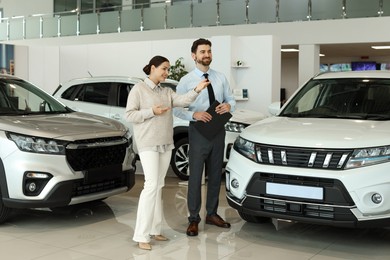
51,156
107,96
325,158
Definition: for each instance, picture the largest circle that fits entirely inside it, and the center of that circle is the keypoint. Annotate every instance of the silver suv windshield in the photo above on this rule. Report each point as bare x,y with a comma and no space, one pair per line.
18,97
353,98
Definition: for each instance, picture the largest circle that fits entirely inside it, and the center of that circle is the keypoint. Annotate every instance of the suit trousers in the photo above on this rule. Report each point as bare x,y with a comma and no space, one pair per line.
149,213
208,153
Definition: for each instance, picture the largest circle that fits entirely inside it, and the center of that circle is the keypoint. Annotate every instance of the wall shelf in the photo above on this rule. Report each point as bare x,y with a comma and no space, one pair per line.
240,67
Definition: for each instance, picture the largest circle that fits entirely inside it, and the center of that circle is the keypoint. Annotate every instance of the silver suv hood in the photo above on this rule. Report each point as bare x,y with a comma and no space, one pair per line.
69,126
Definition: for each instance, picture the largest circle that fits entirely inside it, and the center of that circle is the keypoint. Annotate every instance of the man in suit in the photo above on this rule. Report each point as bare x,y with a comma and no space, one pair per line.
204,151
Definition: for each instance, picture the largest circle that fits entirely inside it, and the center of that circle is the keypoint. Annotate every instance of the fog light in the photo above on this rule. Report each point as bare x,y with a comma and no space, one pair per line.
31,187
235,183
35,182
37,175
227,179
376,198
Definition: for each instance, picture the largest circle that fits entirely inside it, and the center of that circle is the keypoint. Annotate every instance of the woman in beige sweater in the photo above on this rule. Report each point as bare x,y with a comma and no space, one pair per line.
149,109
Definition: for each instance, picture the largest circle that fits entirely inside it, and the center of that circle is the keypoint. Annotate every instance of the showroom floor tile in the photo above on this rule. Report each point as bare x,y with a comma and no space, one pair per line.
103,230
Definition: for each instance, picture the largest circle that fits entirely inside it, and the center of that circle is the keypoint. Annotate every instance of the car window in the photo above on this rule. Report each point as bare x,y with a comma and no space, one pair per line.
20,97
94,93
69,92
342,98
123,91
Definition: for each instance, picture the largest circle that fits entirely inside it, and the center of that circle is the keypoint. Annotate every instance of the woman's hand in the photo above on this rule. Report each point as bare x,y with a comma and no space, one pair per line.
159,109
202,85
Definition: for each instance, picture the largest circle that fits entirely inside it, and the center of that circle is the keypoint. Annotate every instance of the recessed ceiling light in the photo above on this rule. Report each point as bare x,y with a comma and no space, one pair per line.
296,50
381,47
289,50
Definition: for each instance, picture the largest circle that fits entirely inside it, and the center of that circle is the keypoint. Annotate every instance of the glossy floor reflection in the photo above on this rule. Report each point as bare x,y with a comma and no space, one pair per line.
103,230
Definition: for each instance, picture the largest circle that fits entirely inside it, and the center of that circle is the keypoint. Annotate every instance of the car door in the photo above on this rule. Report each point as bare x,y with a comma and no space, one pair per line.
91,98
118,101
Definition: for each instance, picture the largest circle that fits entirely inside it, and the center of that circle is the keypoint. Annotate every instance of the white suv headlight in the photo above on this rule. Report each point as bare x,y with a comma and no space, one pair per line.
246,148
37,144
368,156
234,127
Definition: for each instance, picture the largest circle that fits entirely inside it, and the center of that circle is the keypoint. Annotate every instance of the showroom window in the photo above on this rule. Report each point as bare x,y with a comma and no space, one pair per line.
86,6
141,3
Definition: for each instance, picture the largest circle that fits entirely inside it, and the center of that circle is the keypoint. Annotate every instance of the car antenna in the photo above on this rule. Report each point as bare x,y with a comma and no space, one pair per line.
90,74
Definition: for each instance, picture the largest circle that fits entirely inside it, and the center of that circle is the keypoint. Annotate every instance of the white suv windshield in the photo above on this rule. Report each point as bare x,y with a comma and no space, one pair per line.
17,97
342,98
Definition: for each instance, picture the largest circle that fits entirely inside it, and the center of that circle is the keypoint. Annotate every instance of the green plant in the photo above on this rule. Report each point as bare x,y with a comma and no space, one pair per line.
177,71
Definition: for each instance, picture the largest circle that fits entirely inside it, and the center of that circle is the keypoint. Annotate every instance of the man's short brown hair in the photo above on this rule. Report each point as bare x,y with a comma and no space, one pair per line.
200,41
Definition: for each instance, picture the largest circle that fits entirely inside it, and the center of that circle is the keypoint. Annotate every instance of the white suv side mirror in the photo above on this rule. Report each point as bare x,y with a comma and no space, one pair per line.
274,108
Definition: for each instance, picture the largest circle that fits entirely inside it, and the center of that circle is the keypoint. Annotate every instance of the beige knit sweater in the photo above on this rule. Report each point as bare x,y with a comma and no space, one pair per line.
153,130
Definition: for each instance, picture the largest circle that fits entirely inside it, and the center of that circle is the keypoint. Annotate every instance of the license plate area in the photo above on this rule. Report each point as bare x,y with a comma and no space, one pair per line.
296,191
101,174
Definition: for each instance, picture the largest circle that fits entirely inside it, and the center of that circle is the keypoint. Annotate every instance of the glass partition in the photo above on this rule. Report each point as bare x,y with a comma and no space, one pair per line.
179,16
262,11
154,18
109,22
233,12
131,20
33,27
50,26
186,13
88,24
205,14
68,25
362,8
290,11
16,29
325,10
385,9
3,30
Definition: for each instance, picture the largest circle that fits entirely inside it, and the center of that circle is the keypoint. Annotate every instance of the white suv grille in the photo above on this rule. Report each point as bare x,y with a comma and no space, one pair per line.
302,157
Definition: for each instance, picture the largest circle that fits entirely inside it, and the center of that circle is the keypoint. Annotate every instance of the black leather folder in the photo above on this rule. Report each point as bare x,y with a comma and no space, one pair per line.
217,123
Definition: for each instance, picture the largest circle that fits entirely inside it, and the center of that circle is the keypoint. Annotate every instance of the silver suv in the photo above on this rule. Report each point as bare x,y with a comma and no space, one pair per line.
51,156
107,96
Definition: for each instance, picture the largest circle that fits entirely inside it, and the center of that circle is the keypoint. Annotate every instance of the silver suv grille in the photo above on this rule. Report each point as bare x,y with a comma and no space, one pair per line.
333,159
96,153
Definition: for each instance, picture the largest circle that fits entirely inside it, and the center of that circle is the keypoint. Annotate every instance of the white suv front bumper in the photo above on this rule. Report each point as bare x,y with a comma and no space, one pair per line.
348,195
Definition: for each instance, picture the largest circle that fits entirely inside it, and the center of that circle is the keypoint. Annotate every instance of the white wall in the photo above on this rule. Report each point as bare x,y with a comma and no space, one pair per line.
129,58
43,67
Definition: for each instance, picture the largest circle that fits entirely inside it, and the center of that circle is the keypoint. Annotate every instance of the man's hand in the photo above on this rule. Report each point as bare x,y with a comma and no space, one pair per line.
223,108
202,116
158,110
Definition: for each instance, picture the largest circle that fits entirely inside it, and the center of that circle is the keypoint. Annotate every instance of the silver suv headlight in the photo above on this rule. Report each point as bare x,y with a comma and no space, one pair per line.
34,144
246,148
368,156
235,127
